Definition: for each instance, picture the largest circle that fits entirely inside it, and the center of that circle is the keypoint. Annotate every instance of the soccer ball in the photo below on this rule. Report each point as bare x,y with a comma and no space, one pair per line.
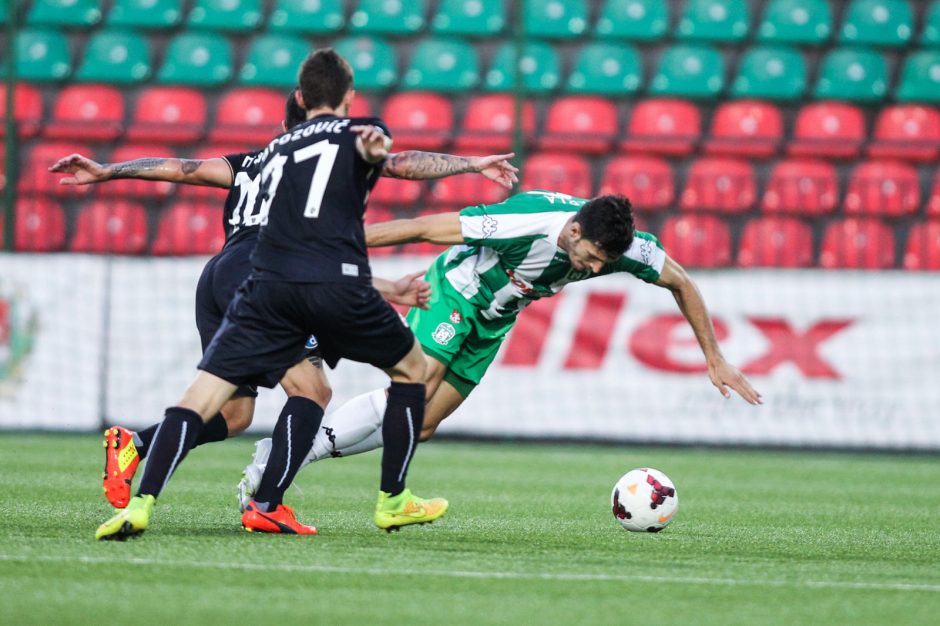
644,500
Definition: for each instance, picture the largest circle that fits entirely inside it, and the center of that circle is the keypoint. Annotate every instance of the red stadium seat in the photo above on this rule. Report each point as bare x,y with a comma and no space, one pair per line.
118,227
719,184
489,123
465,190
250,115
580,124
361,107
168,114
419,121
907,131
564,173
130,188
187,229
40,226
776,242
858,243
27,109
803,186
647,181
933,205
663,126
923,246
886,188
87,112
697,240
35,177
832,129
195,193
745,128
397,193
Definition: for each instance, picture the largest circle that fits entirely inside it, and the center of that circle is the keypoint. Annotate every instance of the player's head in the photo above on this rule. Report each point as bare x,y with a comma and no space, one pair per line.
602,230
293,113
326,82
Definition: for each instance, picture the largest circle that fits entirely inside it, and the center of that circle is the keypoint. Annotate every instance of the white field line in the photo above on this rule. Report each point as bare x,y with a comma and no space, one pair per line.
484,575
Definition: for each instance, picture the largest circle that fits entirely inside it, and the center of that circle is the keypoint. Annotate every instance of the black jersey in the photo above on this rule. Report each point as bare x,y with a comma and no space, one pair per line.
313,190
238,220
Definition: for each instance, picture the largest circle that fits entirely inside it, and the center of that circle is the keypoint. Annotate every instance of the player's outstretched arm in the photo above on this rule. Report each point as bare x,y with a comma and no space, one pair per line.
690,301
410,290
83,171
418,165
442,228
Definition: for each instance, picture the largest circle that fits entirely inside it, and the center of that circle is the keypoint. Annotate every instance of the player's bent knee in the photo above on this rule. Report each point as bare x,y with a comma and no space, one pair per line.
238,414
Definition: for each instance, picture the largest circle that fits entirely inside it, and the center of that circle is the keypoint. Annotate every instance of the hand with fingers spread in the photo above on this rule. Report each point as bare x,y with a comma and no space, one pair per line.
497,168
83,170
374,145
410,290
724,375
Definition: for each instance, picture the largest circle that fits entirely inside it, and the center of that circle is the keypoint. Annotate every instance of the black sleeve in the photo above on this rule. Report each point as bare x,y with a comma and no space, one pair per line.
236,161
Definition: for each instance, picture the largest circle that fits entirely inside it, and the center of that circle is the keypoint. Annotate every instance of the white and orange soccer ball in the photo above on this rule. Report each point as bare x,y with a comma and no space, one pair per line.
644,500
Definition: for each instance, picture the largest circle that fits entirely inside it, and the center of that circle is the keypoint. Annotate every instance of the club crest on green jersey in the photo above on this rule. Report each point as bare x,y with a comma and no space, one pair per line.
443,333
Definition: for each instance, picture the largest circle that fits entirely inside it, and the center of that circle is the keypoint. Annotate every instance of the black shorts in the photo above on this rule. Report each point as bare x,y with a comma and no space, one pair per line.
267,325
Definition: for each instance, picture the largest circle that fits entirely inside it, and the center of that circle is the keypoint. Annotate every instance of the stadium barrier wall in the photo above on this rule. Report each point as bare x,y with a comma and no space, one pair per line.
844,359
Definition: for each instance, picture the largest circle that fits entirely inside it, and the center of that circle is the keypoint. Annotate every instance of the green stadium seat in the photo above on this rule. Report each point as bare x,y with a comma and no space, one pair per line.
442,65
69,13
555,19
920,78
115,56
714,20
307,16
41,55
539,65
388,17
771,72
806,22
146,14
854,75
225,15
931,34
636,20
607,69
878,22
690,71
473,18
197,59
375,66
273,61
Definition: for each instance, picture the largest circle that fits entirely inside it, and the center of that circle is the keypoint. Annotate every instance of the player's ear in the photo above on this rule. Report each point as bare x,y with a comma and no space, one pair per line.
299,99
348,100
283,126
576,231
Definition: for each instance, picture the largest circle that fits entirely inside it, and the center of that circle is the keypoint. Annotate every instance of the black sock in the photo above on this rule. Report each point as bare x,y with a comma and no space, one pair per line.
144,438
215,430
291,441
177,434
401,428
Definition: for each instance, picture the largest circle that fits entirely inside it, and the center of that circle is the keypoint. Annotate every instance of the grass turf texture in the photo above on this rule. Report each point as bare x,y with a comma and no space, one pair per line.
760,538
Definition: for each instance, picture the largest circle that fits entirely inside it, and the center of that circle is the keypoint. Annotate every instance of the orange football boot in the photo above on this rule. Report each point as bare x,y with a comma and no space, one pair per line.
120,465
280,520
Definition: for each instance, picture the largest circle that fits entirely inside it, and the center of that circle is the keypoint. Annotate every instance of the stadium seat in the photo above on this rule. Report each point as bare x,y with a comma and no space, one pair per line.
87,112
446,65
132,188
305,17
663,126
248,116
40,226
907,131
555,20
419,121
397,193
697,240
776,242
922,251
877,23
857,243
118,57
774,73
35,177
225,15
920,77
202,59
635,20
373,61
188,229
854,75
117,227
580,124
646,180
389,18
719,184
465,190
689,71
564,173
361,107
470,18
609,69
933,205
802,187
489,123
168,114
27,109
146,14
272,61
539,64
41,56
828,129
745,128
714,20
884,188
802,22
64,13
931,33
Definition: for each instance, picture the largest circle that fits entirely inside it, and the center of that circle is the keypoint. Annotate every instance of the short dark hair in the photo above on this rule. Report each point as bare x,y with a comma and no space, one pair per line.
325,77
293,113
608,222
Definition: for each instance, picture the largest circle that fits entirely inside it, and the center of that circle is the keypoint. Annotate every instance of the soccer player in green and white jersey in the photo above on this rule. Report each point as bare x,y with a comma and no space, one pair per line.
504,256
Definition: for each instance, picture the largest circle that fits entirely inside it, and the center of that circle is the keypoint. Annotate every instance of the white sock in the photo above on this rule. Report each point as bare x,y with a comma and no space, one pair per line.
353,428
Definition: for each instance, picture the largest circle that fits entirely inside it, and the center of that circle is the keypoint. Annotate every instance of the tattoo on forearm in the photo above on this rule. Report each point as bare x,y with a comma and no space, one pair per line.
131,169
190,165
417,165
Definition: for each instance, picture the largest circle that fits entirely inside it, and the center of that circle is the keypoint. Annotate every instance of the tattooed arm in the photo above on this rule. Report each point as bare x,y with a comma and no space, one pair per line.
417,165
83,171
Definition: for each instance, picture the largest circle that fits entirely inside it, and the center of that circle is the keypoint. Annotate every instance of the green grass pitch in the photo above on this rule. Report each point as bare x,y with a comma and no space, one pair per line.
760,538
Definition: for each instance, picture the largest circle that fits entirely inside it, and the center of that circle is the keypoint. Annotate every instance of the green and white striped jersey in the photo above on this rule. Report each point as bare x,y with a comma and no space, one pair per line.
511,255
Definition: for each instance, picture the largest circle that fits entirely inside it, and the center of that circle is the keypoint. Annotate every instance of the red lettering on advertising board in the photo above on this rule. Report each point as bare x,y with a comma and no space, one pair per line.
654,341
789,345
